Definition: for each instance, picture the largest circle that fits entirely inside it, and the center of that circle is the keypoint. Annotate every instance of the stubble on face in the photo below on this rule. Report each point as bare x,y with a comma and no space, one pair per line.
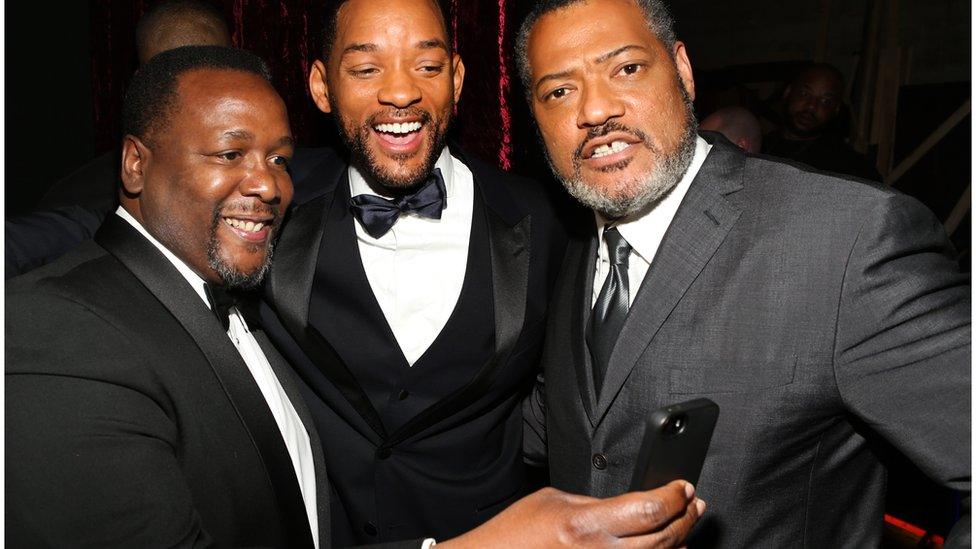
640,192
356,139
234,277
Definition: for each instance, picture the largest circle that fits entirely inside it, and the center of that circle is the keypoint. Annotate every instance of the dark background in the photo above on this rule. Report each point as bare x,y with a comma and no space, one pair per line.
67,64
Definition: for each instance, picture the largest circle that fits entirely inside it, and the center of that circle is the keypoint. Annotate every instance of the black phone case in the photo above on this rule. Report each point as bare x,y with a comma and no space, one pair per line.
675,443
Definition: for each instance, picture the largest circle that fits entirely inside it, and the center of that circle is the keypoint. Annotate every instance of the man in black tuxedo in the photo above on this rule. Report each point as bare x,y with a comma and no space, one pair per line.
411,283
143,410
135,416
826,317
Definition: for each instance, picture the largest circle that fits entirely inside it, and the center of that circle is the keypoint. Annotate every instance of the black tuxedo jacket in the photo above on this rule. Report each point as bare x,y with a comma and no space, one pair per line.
131,419
826,317
526,245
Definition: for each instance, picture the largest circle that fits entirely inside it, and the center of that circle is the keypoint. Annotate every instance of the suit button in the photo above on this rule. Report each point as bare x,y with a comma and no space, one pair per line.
403,395
600,461
370,529
384,453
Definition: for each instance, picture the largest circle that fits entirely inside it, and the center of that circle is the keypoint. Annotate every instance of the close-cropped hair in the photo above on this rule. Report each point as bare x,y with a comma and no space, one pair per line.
152,92
330,23
656,15
162,12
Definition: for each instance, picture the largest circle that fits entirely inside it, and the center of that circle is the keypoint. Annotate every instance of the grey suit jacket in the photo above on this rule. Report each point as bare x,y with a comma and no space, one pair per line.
828,320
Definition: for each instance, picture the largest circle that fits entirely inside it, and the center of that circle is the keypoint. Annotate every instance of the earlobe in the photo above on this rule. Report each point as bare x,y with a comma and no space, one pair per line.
684,68
458,77
135,157
318,86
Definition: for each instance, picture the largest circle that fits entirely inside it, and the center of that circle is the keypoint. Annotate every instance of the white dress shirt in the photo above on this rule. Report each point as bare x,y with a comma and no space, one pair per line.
644,231
416,270
292,429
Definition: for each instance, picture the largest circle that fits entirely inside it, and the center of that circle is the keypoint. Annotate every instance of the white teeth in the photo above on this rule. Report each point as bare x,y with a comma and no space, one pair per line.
398,128
605,150
248,226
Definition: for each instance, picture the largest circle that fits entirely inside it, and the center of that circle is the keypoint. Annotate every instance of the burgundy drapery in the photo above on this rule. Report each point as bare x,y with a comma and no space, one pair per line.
284,33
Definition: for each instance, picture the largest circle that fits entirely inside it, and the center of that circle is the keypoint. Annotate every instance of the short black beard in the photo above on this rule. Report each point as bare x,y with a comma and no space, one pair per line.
233,278
365,161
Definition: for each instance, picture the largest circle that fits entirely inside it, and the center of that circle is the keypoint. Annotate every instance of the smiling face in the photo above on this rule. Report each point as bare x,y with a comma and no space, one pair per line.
210,182
392,84
612,104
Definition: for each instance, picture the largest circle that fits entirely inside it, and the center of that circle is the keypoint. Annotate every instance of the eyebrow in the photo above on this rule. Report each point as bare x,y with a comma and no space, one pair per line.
601,59
238,134
363,47
430,44
368,47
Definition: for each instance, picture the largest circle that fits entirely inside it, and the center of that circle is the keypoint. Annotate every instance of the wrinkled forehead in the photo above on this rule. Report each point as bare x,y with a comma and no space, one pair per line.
370,21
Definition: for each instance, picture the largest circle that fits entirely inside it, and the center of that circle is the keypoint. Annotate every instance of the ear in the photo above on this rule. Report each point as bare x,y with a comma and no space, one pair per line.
684,68
318,85
135,159
458,77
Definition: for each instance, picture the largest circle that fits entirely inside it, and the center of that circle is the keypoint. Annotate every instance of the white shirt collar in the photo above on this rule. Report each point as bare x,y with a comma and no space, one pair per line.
358,185
644,231
196,282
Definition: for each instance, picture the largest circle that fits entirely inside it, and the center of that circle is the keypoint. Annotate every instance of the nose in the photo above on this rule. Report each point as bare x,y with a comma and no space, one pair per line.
266,182
598,105
399,89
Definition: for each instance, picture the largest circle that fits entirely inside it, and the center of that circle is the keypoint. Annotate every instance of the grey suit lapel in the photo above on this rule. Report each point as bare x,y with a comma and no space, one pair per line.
700,225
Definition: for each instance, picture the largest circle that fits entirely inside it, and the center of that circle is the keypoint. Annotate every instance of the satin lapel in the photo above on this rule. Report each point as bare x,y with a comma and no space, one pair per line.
285,376
584,253
162,279
509,235
700,225
289,290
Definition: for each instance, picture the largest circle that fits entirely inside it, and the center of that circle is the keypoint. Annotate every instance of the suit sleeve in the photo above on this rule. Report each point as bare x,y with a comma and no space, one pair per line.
903,343
91,459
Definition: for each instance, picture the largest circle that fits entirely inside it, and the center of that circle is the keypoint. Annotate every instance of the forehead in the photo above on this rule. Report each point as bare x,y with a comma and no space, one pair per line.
819,80
372,22
221,97
585,30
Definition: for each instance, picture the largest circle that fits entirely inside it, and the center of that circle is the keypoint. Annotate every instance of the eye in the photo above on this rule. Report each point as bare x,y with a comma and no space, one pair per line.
432,68
363,72
631,68
229,156
557,93
279,160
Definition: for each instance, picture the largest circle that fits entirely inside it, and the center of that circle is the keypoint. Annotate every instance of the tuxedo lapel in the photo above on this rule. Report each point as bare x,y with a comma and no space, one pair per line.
700,225
290,288
162,279
285,374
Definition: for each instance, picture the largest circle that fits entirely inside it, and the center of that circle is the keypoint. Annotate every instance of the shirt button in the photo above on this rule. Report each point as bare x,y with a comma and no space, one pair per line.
403,395
370,529
384,453
600,461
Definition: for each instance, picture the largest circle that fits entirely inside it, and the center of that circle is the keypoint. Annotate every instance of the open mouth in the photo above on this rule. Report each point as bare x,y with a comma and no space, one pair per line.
612,148
609,148
252,230
399,136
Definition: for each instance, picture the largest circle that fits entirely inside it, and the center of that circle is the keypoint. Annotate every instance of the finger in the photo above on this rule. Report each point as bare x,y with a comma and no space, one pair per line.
638,513
673,534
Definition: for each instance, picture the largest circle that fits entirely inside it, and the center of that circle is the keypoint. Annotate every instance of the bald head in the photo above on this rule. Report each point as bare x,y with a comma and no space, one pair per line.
172,24
738,125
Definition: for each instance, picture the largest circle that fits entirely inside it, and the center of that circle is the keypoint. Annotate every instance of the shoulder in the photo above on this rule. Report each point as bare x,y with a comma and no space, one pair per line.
314,172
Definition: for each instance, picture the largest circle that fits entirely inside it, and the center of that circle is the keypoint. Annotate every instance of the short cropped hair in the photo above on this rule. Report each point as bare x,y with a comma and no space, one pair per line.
152,92
656,15
330,22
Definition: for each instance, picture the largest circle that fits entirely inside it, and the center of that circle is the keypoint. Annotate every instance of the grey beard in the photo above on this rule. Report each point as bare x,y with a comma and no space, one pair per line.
642,191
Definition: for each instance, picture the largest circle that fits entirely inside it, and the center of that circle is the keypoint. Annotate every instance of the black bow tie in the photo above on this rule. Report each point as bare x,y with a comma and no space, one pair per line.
220,301
377,215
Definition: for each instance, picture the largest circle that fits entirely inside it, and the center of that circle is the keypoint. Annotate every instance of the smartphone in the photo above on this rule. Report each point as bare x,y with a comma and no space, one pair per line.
676,440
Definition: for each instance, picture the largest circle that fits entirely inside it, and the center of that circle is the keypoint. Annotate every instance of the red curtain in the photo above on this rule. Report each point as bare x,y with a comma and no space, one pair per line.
284,33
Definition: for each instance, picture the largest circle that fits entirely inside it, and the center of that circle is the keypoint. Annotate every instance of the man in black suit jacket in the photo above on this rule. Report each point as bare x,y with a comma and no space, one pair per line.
827,318
133,416
414,344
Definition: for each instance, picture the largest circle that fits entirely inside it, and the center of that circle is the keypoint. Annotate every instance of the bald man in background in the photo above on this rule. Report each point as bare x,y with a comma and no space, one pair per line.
738,125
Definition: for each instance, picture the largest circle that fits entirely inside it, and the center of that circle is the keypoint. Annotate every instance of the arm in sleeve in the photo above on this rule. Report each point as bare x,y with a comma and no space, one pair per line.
903,342
91,453
534,424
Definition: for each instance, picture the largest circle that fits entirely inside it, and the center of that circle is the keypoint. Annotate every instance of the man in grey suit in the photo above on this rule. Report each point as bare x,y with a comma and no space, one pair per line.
827,318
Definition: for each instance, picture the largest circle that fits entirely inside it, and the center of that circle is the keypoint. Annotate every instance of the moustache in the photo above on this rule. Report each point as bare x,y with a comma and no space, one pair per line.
409,112
602,130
